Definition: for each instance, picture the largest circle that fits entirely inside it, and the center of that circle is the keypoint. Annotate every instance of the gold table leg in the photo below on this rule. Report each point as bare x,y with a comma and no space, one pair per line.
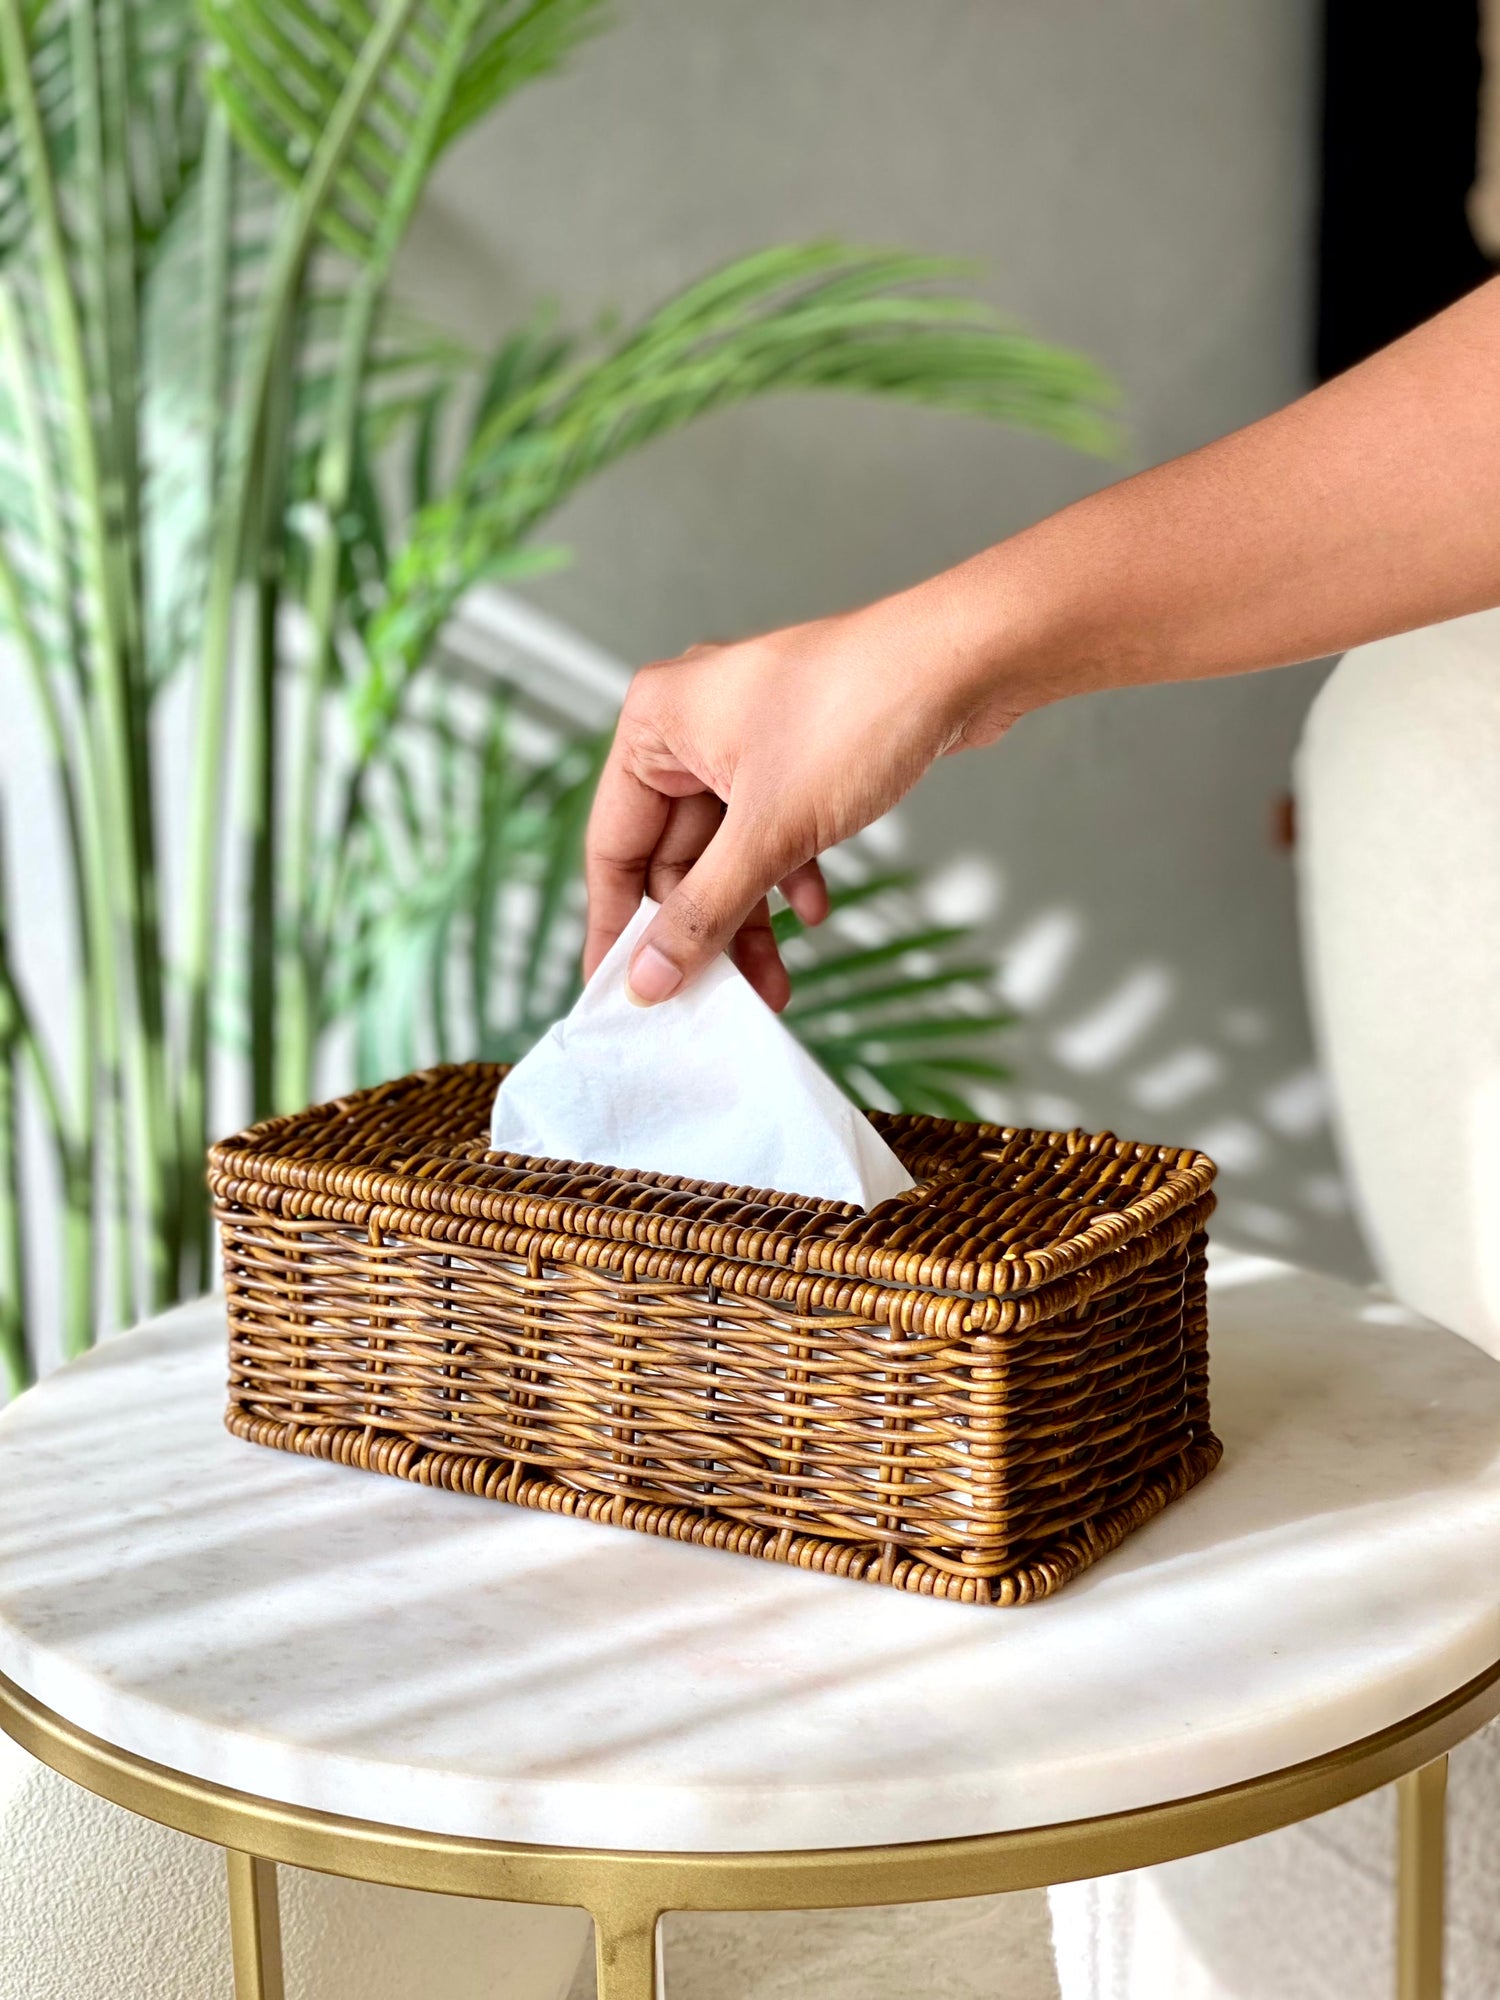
1421,1866
628,1957
254,1927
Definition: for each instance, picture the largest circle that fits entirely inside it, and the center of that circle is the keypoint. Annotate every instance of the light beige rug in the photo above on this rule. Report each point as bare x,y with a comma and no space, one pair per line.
993,1948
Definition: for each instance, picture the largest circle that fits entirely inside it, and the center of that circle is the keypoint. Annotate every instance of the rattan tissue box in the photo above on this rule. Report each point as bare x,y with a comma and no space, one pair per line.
973,1391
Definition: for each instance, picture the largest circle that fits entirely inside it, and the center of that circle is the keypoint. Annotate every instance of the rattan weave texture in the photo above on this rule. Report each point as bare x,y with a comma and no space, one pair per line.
974,1390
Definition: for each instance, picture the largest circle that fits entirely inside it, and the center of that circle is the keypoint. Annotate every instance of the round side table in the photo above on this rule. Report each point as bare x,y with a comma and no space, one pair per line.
317,1666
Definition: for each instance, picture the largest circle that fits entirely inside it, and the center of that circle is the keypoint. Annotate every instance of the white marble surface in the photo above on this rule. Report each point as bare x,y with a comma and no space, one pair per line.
345,1641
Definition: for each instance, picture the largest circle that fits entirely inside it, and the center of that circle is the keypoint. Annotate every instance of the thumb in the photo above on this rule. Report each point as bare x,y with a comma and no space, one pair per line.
701,915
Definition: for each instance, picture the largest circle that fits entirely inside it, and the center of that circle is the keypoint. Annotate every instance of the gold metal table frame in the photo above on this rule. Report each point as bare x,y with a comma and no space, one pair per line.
627,1893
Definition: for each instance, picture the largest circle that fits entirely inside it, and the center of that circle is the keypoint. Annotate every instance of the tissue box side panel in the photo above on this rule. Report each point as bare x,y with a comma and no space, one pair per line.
989,1465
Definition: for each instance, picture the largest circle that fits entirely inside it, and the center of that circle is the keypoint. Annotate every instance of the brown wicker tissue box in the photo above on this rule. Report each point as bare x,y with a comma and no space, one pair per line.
973,1390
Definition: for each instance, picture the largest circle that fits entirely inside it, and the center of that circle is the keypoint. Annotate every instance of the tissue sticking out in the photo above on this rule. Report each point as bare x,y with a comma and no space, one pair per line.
709,1086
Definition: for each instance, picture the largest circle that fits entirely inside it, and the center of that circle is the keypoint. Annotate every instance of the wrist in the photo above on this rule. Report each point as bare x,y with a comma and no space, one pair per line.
991,638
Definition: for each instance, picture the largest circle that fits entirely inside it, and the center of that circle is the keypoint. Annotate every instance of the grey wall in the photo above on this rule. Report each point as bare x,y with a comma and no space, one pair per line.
1136,179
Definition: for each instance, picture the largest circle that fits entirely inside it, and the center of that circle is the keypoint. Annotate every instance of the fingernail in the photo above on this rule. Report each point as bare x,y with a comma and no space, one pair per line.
652,977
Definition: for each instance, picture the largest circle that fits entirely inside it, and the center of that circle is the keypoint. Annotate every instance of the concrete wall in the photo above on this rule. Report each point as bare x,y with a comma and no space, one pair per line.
1137,181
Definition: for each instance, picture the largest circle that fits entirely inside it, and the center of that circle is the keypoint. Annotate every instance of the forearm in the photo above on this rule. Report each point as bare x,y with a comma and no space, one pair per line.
1368,507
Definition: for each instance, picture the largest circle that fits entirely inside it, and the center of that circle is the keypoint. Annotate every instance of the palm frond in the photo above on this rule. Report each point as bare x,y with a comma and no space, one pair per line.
183,397
116,90
44,24
160,62
801,317
462,931
516,45
902,1022
409,356
37,525
285,67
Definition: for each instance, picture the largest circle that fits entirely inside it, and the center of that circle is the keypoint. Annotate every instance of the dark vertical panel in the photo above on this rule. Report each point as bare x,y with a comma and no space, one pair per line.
1400,115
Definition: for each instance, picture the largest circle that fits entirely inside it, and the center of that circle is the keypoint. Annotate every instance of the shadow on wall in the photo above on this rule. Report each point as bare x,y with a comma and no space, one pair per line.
1143,940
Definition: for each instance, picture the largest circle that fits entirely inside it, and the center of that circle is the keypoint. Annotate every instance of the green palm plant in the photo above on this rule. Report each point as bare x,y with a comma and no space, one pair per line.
204,387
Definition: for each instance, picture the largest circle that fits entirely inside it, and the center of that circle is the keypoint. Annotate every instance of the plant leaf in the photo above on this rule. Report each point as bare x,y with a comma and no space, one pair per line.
162,55
284,65
926,988
786,924
894,1040
873,958
805,316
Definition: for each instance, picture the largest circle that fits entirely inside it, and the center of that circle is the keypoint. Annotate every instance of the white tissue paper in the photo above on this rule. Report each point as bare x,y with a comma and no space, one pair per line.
708,1085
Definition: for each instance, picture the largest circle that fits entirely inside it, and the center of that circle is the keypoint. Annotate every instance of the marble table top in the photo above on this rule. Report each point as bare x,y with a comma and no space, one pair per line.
335,1639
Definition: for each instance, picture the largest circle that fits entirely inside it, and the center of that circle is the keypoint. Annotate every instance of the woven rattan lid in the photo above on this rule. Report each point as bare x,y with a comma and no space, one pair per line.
996,1209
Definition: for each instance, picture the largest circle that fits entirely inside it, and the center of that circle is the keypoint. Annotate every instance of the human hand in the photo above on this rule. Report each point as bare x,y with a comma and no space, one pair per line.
735,766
